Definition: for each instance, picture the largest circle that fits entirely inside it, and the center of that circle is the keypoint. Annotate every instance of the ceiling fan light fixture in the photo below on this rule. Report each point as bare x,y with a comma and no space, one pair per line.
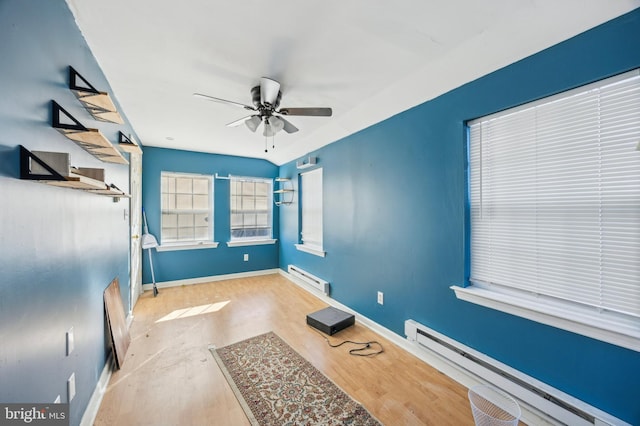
276,123
253,123
268,130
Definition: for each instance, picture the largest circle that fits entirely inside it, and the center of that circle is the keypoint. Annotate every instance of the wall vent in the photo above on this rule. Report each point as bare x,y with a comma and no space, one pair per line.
309,279
537,397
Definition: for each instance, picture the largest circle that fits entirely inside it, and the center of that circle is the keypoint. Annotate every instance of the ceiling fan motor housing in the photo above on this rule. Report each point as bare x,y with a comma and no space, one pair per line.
255,99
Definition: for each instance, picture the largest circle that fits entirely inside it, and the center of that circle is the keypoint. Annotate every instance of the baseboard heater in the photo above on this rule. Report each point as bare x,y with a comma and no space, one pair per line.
554,405
307,278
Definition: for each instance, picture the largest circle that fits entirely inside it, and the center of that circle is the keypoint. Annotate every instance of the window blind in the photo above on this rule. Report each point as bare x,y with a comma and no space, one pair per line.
554,190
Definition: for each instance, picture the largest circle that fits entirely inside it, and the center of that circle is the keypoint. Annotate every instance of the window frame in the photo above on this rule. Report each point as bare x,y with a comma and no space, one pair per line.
252,240
602,324
168,244
312,247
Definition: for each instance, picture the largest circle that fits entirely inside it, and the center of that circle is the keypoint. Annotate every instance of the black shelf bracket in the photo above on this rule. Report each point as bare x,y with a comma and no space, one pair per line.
74,76
124,139
26,157
57,111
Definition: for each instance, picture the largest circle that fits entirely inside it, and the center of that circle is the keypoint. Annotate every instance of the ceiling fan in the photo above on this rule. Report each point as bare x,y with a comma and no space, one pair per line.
266,100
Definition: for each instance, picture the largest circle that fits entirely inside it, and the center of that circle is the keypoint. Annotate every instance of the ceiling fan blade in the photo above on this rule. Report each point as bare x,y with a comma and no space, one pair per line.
315,112
224,101
239,121
288,127
268,90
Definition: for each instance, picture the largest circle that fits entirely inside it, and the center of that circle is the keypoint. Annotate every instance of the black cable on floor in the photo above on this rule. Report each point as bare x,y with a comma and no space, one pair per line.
355,351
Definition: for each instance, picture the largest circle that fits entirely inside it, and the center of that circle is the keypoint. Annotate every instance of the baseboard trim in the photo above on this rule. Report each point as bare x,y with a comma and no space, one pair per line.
90,413
202,280
451,370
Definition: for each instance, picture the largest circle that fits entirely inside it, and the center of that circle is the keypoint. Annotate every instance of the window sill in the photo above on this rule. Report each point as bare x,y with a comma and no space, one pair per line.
187,246
312,250
240,243
606,326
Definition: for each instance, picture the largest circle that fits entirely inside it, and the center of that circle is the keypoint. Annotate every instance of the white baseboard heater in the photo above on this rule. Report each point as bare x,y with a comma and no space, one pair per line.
545,402
307,278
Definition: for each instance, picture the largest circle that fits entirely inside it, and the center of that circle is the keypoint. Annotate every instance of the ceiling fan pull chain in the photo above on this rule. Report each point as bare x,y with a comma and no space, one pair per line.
265,144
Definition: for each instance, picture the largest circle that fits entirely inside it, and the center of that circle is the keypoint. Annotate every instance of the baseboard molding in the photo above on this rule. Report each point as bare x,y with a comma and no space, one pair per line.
451,370
202,280
90,413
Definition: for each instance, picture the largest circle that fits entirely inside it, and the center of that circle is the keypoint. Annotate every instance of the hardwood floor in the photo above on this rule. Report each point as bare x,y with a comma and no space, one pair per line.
170,378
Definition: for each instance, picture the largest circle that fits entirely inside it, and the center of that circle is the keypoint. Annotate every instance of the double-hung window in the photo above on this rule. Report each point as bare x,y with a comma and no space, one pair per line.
251,211
311,212
187,209
554,191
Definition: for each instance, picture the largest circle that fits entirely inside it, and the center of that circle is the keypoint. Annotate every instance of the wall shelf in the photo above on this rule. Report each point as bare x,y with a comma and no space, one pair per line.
99,104
283,195
305,163
128,144
58,173
91,140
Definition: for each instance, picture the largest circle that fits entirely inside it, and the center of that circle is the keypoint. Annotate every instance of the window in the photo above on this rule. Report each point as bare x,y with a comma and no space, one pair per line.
187,209
251,210
311,205
554,191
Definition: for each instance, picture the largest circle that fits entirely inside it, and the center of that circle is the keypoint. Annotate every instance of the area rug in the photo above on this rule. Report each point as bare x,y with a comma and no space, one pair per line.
276,386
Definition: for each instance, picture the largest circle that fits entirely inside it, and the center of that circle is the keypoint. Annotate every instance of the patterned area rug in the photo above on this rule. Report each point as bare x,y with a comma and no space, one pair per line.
277,386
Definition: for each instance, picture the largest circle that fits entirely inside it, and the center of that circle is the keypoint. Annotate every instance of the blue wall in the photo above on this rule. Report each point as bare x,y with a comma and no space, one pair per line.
185,264
394,199
60,248
394,221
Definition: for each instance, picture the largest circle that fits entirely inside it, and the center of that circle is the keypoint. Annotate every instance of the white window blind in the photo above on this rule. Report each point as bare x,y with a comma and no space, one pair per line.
187,208
251,208
311,200
555,198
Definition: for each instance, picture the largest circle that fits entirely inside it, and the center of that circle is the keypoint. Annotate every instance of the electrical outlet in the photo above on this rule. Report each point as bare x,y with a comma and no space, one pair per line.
70,341
380,298
71,387
246,257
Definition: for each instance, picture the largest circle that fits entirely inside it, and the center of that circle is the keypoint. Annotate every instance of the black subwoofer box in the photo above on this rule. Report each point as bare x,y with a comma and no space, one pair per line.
330,320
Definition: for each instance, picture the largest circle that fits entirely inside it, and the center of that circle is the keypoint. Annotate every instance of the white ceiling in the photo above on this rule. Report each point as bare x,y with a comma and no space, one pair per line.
367,59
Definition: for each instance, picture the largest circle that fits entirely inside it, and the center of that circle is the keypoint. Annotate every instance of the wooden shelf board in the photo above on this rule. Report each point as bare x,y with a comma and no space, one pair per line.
90,136
77,182
282,191
108,116
75,178
87,184
99,105
110,192
117,159
130,147
94,142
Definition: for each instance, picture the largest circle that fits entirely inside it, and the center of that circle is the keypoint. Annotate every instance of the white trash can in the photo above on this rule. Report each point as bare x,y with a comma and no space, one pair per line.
492,407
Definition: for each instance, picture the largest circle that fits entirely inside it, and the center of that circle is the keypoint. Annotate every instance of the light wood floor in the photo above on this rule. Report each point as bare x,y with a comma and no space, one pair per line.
170,378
